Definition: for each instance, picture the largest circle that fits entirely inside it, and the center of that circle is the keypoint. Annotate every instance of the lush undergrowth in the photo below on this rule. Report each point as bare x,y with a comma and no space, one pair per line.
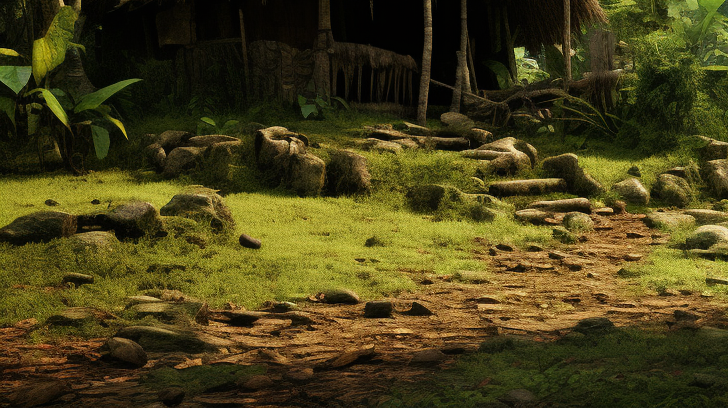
625,368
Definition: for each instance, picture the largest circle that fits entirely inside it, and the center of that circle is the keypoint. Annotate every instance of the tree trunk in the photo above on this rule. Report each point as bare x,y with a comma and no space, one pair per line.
462,81
426,66
324,43
566,46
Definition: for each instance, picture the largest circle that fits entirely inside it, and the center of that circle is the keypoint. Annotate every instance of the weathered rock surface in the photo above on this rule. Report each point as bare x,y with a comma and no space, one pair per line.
534,216
97,241
668,220
503,156
381,146
429,356
38,393
40,226
306,175
714,149
201,204
247,241
209,140
594,325
566,166
77,279
134,220
527,187
578,221
345,296
171,139
156,156
704,217
217,160
126,351
181,159
673,190
457,120
564,236
706,236
715,174
632,191
166,340
566,205
274,146
378,309
347,173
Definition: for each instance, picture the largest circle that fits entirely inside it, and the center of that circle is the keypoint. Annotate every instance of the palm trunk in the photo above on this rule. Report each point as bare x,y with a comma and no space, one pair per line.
426,66
462,81
566,47
324,42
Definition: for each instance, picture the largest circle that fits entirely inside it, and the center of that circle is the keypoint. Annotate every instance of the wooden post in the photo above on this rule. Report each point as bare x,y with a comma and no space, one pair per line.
244,42
426,66
566,47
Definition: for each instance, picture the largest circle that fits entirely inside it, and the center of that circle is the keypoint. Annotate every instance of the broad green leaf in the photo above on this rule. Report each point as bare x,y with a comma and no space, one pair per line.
342,102
715,68
9,52
101,141
104,111
209,121
53,105
50,50
79,46
94,99
307,110
711,5
231,122
7,105
321,102
15,77
302,100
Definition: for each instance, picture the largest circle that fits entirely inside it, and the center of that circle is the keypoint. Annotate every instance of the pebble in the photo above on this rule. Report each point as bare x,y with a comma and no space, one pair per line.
249,242
51,203
127,351
78,279
172,396
428,356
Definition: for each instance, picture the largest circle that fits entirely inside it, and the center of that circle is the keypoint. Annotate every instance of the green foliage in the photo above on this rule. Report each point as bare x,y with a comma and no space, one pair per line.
15,77
208,125
318,105
50,51
198,379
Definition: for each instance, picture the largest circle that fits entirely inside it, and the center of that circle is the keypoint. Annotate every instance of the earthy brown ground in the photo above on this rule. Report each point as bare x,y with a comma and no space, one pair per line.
346,360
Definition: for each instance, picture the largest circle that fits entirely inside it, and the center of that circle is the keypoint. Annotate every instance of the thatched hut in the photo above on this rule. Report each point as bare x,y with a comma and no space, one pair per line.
366,50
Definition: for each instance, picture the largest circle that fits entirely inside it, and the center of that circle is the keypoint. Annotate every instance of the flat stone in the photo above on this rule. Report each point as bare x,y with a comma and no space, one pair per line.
594,325
418,309
72,316
604,211
127,351
41,226
534,216
378,309
98,241
352,357
705,217
632,257
256,382
345,296
167,312
668,220
165,340
429,356
77,279
171,396
38,393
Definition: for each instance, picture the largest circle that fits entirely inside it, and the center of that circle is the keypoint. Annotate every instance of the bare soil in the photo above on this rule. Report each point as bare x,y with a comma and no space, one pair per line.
344,359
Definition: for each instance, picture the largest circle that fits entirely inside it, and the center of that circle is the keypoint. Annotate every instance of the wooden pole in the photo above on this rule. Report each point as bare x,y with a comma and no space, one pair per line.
244,43
426,66
462,80
324,42
566,46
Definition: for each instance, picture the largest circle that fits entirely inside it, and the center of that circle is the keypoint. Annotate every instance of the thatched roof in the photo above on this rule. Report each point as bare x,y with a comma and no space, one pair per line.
542,21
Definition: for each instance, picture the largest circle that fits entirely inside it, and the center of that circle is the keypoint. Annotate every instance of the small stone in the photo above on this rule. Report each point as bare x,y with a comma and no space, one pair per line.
716,281
594,325
345,296
504,247
283,307
72,316
127,351
300,374
172,396
428,356
256,382
95,201
564,236
51,203
578,221
249,242
38,394
418,309
352,357
619,207
378,309
634,171
604,211
78,279
557,255
534,248
632,257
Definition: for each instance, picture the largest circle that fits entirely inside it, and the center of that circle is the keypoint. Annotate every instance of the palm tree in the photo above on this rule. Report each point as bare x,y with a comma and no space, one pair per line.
426,66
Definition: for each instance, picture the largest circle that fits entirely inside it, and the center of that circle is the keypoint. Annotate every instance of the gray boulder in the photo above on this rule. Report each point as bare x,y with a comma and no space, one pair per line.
457,120
134,220
168,340
668,220
503,156
703,217
632,191
566,205
96,241
673,190
706,236
347,173
181,159
715,174
200,204
40,226
306,175
714,149
566,166
578,221
171,139
156,156
126,351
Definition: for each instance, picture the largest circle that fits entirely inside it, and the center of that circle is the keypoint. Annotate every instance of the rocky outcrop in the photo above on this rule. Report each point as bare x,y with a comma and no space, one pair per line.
347,173
706,236
283,156
41,226
566,166
632,191
134,220
203,205
672,190
504,156
715,174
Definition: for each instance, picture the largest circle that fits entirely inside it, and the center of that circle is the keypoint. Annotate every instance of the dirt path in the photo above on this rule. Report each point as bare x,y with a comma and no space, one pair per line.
346,360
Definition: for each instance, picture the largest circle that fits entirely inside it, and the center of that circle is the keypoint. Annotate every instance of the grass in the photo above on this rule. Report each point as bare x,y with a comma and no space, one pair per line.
625,368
